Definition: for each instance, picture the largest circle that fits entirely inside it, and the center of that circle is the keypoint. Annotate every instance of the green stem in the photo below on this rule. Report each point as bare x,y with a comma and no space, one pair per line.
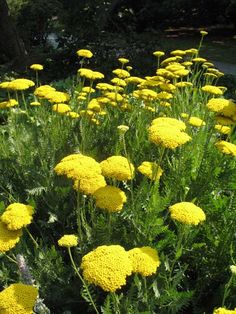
10,258
82,280
226,291
32,238
78,212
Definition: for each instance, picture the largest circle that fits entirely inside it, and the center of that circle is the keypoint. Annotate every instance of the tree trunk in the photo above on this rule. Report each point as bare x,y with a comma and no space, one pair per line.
11,46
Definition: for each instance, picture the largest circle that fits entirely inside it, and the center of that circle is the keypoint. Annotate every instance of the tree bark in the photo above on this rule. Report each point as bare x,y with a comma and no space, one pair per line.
11,46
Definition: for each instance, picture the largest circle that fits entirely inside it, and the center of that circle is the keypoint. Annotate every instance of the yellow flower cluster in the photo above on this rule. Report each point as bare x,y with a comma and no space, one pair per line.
18,299
36,67
107,267
84,53
222,310
8,104
8,238
168,132
117,167
145,260
224,107
61,108
90,74
214,90
226,148
84,170
17,84
150,170
17,216
68,240
110,198
197,122
121,73
187,213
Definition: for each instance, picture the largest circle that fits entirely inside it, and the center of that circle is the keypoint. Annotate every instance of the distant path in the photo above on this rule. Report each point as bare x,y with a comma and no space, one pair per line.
226,68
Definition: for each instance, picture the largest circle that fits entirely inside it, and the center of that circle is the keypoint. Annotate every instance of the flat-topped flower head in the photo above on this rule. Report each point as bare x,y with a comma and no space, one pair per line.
158,53
109,198
214,90
107,267
36,67
117,167
187,213
18,298
145,260
226,148
150,170
8,238
123,60
84,53
222,310
17,216
197,122
68,240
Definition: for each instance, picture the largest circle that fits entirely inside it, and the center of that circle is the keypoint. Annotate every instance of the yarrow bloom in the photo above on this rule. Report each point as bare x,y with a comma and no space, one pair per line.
18,299
168,133
214,90
84,170
187,213
68,240
36,67
222,310
123,128
17,216
110,198
107,267
61,108
149,169
195,121
8,103
117,167
145,260
84,53
8,238
226,148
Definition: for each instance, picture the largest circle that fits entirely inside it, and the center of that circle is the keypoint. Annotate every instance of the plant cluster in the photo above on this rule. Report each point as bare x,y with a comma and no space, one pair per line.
119,196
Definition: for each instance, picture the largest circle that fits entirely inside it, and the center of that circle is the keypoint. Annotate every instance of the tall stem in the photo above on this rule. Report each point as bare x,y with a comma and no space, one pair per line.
82,280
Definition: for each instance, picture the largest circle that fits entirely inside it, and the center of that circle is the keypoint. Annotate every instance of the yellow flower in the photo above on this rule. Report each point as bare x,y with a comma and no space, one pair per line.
121,73
36,67
117,167
84,53
134,80
199,60
107,267
123,60
222,310
178,52
172,122
42,90
61,108
183,84
224,120
56,97
90,184
17,216
187,213
214,90
226,148
110,198
164,95
169,60
18,299
105,86
118,81
20,84
72,114
149,169
222,129
88,89
8,238
158,53
90,74
78,166
167,136
194,121
221,105
129,68
145,260
68,240
8,104
203,33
